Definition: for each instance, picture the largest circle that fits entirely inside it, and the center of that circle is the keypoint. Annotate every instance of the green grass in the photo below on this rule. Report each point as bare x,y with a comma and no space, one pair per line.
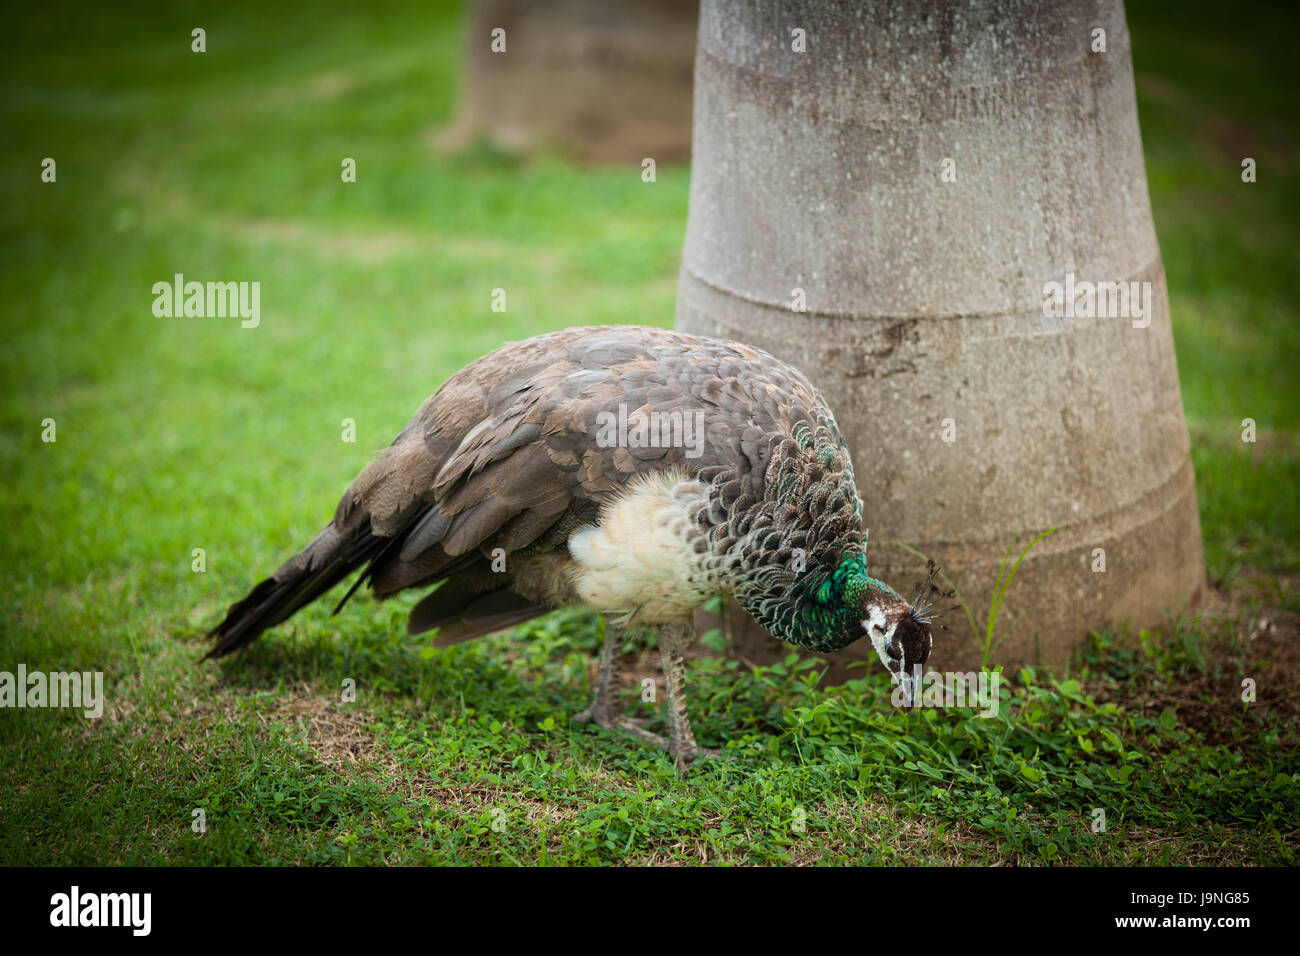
183,434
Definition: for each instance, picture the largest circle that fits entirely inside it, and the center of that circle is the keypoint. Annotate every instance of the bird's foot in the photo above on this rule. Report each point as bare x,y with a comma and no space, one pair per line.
636,727
600,716
607,719
686,758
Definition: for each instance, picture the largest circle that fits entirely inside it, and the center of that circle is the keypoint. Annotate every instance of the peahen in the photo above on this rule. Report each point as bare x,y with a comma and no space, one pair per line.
635,470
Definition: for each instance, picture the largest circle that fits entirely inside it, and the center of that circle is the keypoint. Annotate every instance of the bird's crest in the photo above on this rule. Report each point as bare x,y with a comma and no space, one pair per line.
928,595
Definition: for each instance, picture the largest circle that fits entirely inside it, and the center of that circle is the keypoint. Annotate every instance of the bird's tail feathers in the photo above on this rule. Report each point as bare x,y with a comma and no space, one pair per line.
326,561
462,610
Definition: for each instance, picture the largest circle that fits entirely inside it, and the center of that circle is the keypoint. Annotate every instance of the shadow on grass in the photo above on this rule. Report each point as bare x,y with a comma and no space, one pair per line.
361,656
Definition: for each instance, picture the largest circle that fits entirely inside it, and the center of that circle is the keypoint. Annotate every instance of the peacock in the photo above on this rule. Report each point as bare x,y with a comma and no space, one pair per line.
635,470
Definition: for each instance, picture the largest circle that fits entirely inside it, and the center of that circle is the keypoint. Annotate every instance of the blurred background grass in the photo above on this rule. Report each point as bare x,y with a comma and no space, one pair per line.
175,434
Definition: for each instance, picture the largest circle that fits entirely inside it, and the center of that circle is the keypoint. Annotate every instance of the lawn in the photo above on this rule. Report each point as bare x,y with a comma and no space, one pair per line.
178,434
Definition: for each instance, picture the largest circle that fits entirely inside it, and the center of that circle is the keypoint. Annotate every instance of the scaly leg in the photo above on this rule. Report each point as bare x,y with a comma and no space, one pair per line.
606,711
674,638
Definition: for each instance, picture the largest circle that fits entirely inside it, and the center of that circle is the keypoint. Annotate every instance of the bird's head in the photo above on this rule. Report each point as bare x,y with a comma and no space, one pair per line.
862,606
899,632
849,604
900,636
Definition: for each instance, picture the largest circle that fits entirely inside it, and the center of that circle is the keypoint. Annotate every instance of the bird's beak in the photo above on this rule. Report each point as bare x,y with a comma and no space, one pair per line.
907,681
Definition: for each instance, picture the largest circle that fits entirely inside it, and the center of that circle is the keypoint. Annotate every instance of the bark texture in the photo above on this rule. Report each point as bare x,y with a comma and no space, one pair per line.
823,171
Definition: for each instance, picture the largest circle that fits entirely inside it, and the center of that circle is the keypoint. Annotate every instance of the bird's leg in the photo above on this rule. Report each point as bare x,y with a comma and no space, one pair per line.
674,638
606,711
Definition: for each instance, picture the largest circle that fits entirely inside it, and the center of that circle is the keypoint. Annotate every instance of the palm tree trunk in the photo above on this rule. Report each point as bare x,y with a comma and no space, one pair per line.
921,176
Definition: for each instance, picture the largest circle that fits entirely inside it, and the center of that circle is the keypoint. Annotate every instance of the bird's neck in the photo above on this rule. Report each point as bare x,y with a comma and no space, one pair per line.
815,608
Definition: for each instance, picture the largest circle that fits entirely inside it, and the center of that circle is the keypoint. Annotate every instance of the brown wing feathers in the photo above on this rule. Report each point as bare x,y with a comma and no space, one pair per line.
504,455
385,522
303,578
